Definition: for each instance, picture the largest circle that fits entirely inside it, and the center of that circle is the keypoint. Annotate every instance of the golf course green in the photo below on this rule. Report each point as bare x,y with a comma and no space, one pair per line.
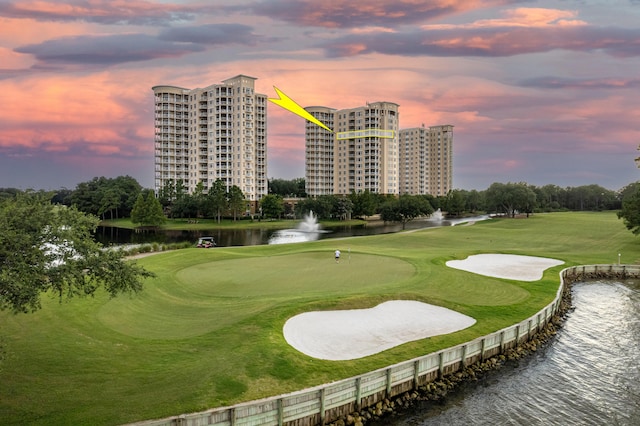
207,331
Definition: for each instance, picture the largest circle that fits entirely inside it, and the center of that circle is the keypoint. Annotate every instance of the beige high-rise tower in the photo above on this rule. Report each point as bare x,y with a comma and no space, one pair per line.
319,146
361,154
426,160
216,132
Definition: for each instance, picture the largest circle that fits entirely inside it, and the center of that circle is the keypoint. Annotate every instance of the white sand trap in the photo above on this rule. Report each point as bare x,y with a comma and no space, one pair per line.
509,266
356,333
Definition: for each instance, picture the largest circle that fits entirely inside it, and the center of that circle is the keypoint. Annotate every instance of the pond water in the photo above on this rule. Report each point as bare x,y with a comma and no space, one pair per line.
249,237
588,375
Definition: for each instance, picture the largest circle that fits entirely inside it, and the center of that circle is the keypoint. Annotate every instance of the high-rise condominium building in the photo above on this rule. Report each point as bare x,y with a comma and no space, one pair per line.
426,160
361,154
319,147
217,132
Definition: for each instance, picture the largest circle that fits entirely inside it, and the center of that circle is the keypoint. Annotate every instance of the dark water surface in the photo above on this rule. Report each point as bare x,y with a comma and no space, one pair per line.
249,237
588,375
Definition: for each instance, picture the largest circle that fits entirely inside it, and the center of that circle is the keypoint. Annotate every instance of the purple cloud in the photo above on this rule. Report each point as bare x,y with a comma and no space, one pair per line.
212,34
135,12
549,82
489,42
345,14
106,50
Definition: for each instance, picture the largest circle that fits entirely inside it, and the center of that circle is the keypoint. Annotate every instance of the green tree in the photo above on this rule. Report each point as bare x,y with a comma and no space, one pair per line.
630,212
510,198
139,212
217,199
85,197
147,211
174,197
525,198
455,202
301,187
236,201
474,201
287,188
46,247
323,207
185,206
199,199
342,208
550,197
109,202
405,208
102,195
167,193
272,206
128,188
364,203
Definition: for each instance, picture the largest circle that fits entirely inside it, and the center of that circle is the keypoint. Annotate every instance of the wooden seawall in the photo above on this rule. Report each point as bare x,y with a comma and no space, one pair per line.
327,403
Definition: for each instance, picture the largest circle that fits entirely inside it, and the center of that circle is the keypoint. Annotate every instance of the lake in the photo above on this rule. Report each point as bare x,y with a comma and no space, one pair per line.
249,237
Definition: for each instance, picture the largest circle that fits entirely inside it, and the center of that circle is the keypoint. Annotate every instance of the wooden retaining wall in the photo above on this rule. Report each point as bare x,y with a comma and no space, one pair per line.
329,402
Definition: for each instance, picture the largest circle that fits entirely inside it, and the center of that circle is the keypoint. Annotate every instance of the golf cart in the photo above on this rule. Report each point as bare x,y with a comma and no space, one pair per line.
206,242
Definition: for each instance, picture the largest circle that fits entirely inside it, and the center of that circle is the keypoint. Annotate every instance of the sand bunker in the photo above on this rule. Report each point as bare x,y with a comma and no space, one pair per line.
509,266
356,333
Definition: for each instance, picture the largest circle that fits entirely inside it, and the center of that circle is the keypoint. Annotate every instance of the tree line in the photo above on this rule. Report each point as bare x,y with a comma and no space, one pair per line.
500,198
123,196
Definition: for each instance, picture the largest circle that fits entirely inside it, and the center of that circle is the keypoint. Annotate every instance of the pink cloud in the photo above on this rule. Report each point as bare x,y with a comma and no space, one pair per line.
17,32
520,17
101,11
521,31
57,113
341,14
13,60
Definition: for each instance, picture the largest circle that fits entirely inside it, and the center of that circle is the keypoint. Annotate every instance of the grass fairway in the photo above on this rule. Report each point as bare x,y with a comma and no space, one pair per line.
207,331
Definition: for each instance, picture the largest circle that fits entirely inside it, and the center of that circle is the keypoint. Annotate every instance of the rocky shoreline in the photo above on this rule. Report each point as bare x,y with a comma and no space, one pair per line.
437,390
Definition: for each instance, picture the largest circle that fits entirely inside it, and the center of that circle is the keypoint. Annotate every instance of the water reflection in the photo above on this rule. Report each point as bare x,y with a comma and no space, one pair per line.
307,230
250,237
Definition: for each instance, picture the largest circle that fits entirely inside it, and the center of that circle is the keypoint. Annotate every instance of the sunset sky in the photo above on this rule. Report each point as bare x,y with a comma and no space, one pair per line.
543,92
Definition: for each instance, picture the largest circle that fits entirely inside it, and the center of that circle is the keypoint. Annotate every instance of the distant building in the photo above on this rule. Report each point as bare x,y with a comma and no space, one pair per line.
426,160
319,148
361,154
216,132
367,152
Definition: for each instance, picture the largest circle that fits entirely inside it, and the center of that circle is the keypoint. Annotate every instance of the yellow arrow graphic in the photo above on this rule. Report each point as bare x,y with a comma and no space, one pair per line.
290,105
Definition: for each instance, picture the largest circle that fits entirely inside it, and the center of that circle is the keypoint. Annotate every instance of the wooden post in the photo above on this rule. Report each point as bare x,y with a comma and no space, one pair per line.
464,356
416,373
280,412
440,365
358,393
388,382
322,406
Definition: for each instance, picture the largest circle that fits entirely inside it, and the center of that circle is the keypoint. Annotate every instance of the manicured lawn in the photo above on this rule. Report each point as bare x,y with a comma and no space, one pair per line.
207,331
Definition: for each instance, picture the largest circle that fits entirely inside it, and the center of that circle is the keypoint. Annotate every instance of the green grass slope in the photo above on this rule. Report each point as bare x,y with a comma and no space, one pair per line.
207,331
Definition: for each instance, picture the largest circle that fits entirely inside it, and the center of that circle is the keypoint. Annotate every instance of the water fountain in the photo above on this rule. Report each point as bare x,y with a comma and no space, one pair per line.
307,230
309,223
437,215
